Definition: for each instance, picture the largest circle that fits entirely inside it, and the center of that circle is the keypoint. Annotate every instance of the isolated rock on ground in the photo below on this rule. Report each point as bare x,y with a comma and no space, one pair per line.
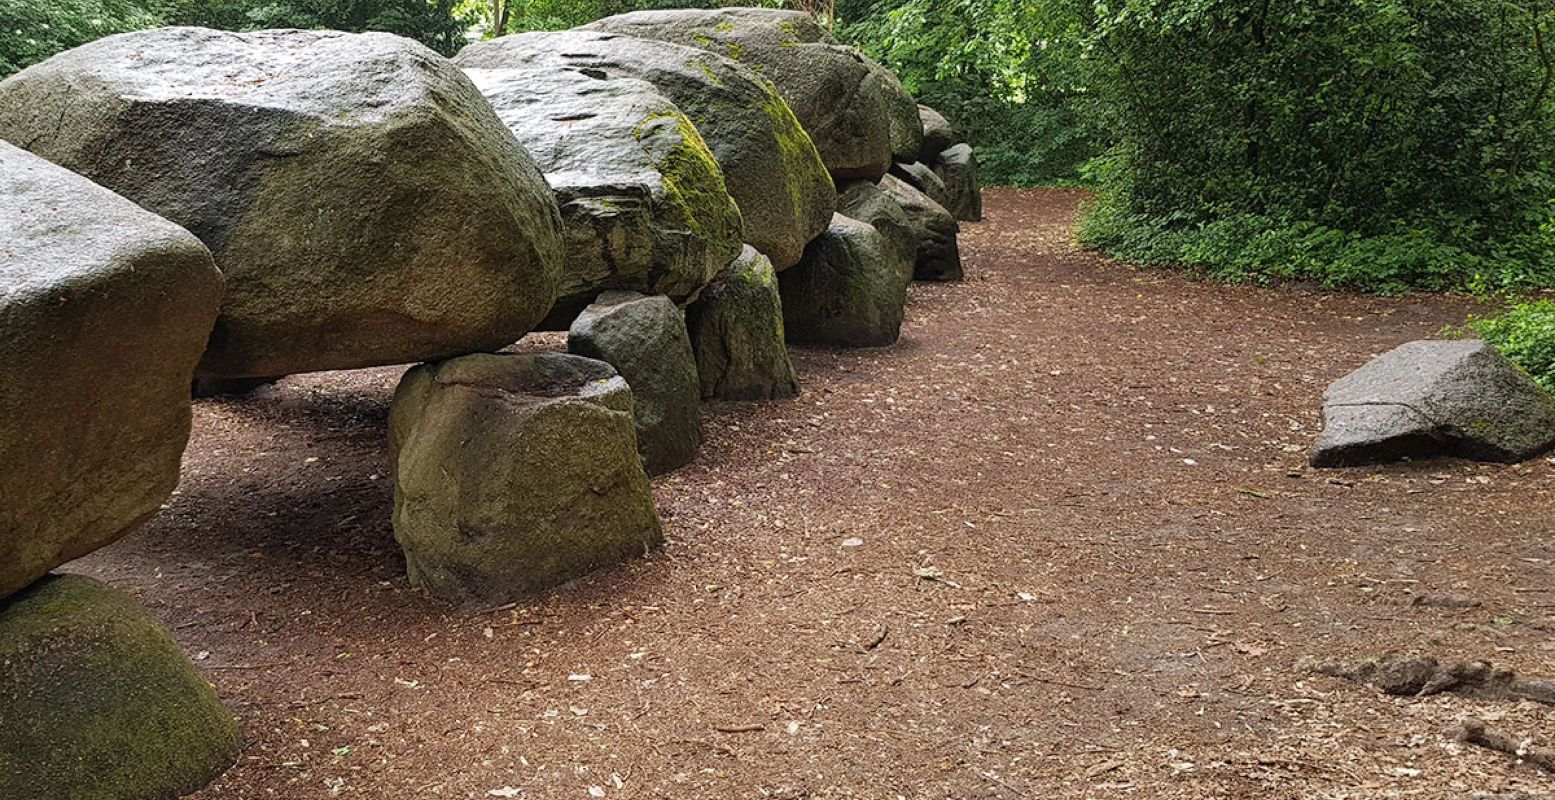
864,201
736,329
939,253
847,291
832,88
938,134
645,339
1434,398
104,310
957,168
644,205
770,166
515,473
98,703
360,196
919,176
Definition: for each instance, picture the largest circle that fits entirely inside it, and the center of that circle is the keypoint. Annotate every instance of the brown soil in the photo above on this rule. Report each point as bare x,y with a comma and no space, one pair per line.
1060,542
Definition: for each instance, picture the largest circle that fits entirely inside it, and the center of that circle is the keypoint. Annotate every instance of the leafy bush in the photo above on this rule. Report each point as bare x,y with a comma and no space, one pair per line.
1383,144
32,30
1525,334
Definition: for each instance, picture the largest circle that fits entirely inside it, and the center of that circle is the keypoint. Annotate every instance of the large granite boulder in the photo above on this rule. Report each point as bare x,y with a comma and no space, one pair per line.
919,176
864,201
847,291
938,134
958,170
832,88
1434,398
644,205
360,196
736,328
771,167
516,473
645,339
934,229
98,703
901,114
104,310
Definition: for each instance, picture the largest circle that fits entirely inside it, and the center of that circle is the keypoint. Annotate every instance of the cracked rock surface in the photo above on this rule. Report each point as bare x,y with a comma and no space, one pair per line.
1429,399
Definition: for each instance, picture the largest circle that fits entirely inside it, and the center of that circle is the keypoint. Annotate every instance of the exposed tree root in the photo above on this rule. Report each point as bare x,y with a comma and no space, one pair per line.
1474,732
1419,676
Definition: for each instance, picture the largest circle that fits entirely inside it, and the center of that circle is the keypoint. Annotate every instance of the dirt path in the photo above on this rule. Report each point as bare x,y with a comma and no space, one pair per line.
1060,542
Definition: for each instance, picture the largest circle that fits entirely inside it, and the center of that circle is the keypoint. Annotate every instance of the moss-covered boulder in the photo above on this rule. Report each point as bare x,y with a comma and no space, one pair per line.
958,170
934,229
770,166
645,339
360,196
104,310
98,703
833,89
736,328
643,201
516,473
847,291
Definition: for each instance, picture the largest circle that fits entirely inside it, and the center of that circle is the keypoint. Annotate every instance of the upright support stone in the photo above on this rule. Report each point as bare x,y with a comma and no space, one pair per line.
935,229
98,703
846,291
736,329
516,473
645,339
957,167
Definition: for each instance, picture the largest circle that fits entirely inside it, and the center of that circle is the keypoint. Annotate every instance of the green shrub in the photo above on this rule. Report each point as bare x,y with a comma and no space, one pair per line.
32,30
1525,333
1380,144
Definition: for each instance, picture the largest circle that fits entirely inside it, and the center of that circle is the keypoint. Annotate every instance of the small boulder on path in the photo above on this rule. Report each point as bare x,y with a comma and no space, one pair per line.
515,473
104,311
847,291
97,702
1431,399
736,328
958,170
645,339
938,254
770,166
644,205
361,198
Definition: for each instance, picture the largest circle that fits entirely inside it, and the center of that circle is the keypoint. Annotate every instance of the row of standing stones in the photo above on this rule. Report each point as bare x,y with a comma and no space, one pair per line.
684,192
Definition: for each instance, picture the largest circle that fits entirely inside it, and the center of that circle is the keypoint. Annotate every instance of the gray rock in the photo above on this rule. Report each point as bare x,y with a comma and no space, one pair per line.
104,310
938,134
645,339
935,231
864,201
98,703
644,205
736,328
832,88
901,113
1434,398
957,168
847,291
516,473
770,166
920,177
362,199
